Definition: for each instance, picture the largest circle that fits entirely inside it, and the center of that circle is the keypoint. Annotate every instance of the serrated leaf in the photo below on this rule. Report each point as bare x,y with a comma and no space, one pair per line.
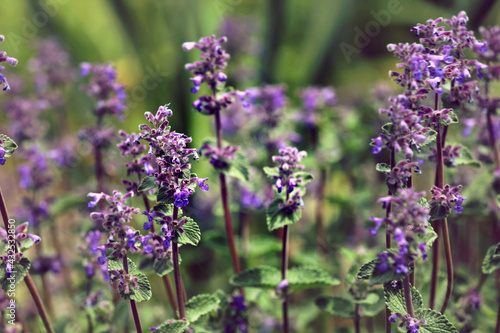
260,277
338,306
466,158
200,305
371,271
435,322
8,145
395,298
144,292
165,196
438,212
298,278
191,234
428,238
383,167
177,326
431,137
19,271
148,183
238,168
277,217
64,203
163,266
454,117
491,261
308,277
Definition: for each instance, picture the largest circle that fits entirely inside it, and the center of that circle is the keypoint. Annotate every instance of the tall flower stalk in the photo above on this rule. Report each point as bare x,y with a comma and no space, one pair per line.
209,71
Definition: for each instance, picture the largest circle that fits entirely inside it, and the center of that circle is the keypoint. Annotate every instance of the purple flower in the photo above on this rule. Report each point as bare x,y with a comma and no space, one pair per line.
95,198
201,183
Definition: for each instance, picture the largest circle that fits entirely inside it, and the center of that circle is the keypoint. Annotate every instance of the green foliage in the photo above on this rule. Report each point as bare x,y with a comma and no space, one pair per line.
177,326
238,168
435,322
383,167
298,278
65,203
395,298
338,306
144,292
148,183
9,145
438,212
491,261
19,271
163,266
200,305
431,137
428,238
277,217
191,234
466,158
371,271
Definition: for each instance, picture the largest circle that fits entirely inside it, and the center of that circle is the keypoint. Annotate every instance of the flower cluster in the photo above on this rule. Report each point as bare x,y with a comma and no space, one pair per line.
123,238
443,199
411,323
288,176
126,281
405,222
3,151
210,71
89,250
13,238
103,87
219,158
315,99
11,61
398,176
450,153
237,308
172,157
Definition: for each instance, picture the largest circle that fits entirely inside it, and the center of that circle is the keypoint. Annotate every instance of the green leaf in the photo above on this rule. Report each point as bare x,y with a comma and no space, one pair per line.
467,158
165,196
270,277
305,176
371,310
238,168
491,261
308,277
144,292
148,183
260,277
371,271
9,145
438,212
454,117
338,306
431,137
19,271
428,238
422,202
388,128
383,167
163,266
278,217
271,172
395,298
191,234
200,305
435,322
177,326
67,202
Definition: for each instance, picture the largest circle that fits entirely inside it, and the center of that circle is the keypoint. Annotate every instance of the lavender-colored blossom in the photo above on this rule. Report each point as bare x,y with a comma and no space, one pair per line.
219,158
314,99
443,199
4,58
410,322
450,154
110,95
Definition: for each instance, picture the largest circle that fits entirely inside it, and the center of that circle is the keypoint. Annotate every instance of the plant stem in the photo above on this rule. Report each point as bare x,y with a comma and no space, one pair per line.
357,328
133,305
27,279
388,240
408,300
321,234
170,292
177,272
449,265
225,203
89,318
284,268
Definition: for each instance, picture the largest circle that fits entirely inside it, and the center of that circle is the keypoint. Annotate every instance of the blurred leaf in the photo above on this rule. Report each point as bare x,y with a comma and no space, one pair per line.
338,306
200,305
238,168
371,310
466,158
177,326
491,261
67,202
370,299
383,167
163,266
